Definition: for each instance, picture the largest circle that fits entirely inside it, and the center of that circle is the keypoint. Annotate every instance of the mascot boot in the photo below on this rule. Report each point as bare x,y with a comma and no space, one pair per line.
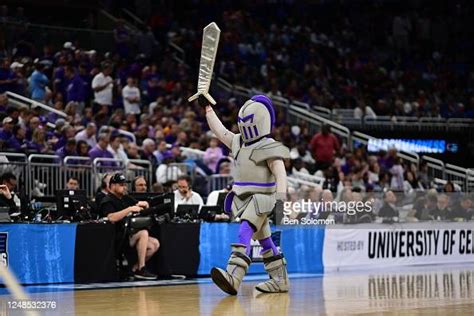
276,268
237,266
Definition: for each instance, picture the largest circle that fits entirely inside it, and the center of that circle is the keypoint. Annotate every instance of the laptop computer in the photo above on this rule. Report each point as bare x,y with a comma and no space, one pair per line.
187,211
208,213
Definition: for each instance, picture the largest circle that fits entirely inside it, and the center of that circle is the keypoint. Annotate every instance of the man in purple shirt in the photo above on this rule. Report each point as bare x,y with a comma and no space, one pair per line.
75,91
69,149
18,141
6,130
100,150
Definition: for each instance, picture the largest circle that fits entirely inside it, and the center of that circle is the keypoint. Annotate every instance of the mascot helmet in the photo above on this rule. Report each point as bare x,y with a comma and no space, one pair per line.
256,118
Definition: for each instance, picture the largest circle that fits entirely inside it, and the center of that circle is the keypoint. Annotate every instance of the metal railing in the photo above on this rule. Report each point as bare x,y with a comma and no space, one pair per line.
21,101
298,113
45,175
100,40
218,182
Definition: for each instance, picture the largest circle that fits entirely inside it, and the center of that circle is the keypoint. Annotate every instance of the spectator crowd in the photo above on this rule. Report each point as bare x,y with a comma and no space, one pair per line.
134,106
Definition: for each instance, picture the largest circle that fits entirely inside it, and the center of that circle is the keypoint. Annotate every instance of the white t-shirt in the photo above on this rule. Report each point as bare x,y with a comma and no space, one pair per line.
165,174
213,197
368,113
104,96
82,135
131,92
195,199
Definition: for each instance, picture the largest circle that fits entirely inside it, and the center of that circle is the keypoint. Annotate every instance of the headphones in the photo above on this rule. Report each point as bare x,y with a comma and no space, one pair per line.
134,188
103,184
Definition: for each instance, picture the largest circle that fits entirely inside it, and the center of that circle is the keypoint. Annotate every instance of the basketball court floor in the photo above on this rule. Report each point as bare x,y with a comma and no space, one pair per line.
424,290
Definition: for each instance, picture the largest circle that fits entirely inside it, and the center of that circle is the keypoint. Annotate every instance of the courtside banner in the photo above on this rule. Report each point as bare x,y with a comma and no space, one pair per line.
38,253
368,246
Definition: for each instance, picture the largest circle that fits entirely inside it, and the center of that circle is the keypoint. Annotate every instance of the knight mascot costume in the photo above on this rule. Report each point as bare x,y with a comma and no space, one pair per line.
259,186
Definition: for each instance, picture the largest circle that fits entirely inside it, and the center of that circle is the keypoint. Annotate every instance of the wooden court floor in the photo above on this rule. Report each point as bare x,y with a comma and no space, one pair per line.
422,291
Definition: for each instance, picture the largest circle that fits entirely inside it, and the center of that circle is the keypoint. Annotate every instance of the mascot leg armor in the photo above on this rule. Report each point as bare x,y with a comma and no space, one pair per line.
237,266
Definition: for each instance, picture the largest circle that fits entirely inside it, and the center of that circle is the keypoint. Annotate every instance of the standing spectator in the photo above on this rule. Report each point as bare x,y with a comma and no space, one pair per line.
103,84
146,41
131,97
75,91
38,83
122,39
88,135
324,146
7,77
397,181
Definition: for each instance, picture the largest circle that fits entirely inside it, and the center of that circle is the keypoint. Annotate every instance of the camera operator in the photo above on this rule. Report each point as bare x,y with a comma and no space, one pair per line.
117,205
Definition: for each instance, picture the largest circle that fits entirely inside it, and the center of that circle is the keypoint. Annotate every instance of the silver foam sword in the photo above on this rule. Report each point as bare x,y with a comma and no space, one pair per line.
210,42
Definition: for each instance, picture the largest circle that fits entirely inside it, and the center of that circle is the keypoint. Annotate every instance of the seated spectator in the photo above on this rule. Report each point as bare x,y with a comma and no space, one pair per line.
33,124
116,148
88,135
363,110
82,149
6,200
38,143
462,211
17,142
72,183
7,129
213,197
162,148
166,174
442,207
139,185
67,132
100,150
69,149
185,195
425,207
224,168
389,209
148,148
213,154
